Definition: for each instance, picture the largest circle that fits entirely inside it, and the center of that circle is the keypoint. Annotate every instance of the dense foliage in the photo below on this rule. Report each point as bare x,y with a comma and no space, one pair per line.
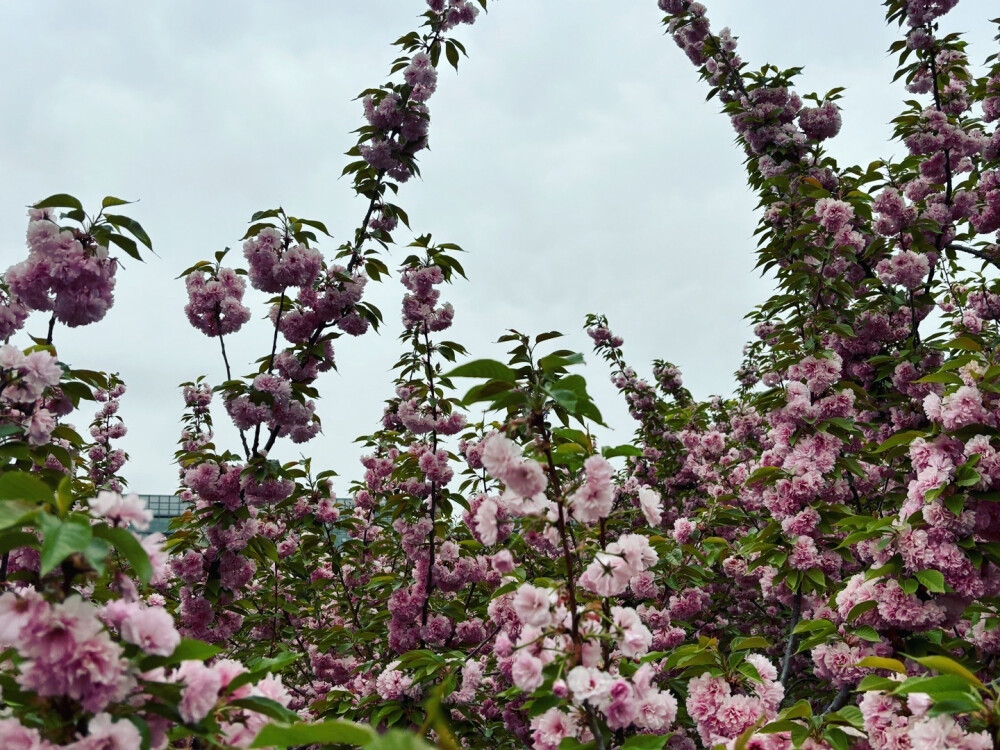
813,562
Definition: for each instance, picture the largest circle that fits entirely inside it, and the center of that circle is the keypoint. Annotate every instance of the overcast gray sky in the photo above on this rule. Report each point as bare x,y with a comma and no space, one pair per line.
574,157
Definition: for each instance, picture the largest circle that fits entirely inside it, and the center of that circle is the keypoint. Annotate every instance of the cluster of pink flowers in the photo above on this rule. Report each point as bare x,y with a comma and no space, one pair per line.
618,565
906,269
275,264
24,380
420,306
215,302
594,498
331,301
889,725
103,733
398,114
121,511
522,477
65,649
450,13
105,461
271,402
635,701
722,715
65,272
13,313
419,418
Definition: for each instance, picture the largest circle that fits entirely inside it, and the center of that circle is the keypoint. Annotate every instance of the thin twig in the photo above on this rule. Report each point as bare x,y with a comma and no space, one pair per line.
786,668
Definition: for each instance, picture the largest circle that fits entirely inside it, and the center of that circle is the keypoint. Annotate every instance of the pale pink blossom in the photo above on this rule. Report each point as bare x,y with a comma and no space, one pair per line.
532,605
152,629
607,575
105,734
632,636
593,500
499,455
122,511
650,503
551,727
201,690
526,671
15,736
588,684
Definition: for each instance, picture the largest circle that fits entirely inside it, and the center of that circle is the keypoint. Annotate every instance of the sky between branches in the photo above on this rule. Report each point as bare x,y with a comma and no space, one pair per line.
574,157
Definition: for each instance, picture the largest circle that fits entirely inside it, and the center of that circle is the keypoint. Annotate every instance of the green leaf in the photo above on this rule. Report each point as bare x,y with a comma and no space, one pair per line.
133,226
620,450
807,626
333,731
868,633
800,710
10,540
932,580
126,244
110,201
61,539
948,666
266,706
15,513
187,650
900,438
546,336
765,473
934,686
315,225
64,496
483,368
19,485
451,52
745,644
963,343
60,200
874,682
646,741
554,361
939,377
129,547
860,608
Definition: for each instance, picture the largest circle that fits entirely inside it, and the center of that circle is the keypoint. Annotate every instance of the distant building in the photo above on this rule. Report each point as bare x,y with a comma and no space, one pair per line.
165,508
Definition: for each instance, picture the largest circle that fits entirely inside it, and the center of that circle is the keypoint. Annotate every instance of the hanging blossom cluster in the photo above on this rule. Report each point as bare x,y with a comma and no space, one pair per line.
27,395
331,301
275,263
419,418
398,116
210,486
420,306
243,506
215,302
105,461
197,432
66,272
13,313
270,401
